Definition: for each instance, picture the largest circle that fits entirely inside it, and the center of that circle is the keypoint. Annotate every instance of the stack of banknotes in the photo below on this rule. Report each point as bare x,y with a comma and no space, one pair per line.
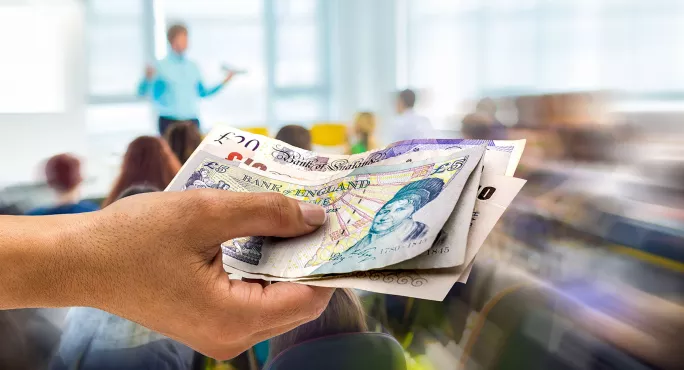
407,219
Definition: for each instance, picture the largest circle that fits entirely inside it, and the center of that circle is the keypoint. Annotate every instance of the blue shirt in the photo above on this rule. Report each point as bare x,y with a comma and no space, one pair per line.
95,339
176,88
80,207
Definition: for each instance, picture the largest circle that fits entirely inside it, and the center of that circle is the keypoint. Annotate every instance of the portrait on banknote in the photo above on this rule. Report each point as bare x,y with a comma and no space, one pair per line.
394,223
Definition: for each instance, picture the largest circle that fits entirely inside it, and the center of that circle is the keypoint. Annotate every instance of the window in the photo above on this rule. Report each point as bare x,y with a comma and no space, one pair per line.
300,82
461,50
117,47
280,43
227,32
32,77
297,44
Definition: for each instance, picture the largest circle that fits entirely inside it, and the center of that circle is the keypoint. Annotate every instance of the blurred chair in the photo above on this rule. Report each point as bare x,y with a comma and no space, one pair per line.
359,351
499,321
257,130
530,327
329,137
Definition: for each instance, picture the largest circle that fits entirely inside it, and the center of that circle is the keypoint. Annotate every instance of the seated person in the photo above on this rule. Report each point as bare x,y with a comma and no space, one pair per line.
338,339
63,173
483,124
149,161
183,138
296,136
364,133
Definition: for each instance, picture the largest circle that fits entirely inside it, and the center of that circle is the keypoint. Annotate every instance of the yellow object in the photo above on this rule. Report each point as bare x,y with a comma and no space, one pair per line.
256,130
420,362
650,258
329,134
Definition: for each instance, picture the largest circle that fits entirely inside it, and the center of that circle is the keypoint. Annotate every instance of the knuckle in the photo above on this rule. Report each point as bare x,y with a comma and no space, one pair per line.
200,201
278,210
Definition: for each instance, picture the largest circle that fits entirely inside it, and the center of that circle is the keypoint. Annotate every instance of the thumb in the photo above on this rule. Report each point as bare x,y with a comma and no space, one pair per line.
233,215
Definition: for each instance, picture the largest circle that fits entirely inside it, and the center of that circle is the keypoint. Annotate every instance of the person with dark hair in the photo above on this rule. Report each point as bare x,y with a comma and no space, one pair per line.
63,174
183,138
148,161
483,124
175,84
409,125
407,99
475,130
296,136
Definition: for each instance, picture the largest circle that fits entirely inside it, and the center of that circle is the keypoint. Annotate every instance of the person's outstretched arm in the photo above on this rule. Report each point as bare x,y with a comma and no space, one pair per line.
205,92
155,259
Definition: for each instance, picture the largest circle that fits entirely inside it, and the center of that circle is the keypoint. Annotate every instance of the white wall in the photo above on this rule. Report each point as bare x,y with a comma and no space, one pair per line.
26,139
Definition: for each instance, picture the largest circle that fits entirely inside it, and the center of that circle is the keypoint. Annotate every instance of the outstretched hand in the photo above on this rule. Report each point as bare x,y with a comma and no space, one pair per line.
155,259
150,72
229,76
164,267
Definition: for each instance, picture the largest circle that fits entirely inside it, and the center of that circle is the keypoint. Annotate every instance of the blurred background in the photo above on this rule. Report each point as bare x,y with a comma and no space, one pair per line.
589,257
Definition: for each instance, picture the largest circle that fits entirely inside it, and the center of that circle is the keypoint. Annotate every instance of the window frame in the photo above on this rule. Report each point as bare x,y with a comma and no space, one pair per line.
148,27
602,13
152,9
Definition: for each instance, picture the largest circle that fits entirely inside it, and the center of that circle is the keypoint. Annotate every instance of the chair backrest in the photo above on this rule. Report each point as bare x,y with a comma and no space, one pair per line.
329,134
359,351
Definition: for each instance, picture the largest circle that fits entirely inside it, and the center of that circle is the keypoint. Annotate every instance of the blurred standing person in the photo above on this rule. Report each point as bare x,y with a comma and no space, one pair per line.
409,125
63,173
183,138
148,161
364,132
175,84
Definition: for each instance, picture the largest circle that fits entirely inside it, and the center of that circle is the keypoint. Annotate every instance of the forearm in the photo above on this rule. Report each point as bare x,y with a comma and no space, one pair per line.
205,93
43,261
144,87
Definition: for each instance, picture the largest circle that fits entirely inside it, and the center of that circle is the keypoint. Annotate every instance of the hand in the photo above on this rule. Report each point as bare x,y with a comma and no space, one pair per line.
229,77
150,72
155,259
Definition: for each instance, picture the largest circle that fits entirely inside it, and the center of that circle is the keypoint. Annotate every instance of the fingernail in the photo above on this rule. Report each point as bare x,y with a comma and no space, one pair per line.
313,215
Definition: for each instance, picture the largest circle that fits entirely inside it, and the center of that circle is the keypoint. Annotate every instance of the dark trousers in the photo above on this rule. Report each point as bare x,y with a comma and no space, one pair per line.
166,122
